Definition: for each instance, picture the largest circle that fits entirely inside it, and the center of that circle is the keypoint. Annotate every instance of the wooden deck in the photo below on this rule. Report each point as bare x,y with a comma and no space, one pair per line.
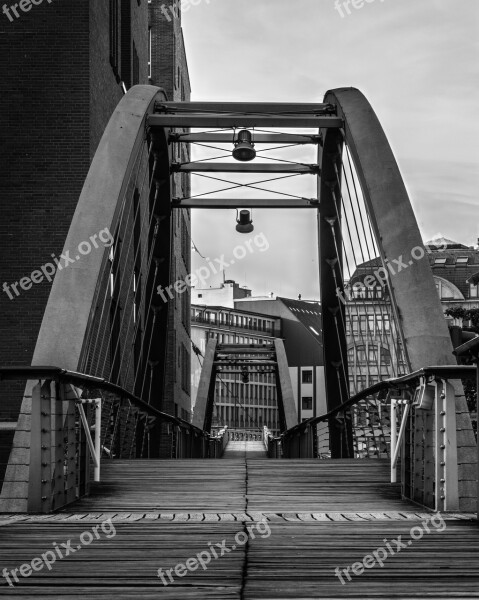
317,515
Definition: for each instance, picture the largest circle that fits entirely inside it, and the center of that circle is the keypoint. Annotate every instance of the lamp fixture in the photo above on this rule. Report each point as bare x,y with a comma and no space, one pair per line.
244,224
244,148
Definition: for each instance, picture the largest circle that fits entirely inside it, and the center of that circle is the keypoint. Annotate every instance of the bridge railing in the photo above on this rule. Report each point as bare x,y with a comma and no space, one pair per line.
420,422
271,443
218,442
70,422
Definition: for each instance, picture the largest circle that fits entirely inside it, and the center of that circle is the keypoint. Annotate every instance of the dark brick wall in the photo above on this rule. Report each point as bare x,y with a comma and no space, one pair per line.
58,92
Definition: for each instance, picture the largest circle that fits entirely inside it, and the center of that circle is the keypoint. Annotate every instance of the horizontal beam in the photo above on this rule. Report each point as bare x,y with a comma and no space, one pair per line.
241,167
237,349
250,363
246,107
225,121
245,203
258,138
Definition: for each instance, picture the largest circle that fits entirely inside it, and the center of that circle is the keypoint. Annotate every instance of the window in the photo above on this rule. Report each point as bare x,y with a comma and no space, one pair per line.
114,37
149,52
387,323
185,369
371,321
126,74
306,403
307,377
462,260
372,354
354,324
363,323
185,242
136,66
473,290
351,356
385,357
361,353
361,382
440,261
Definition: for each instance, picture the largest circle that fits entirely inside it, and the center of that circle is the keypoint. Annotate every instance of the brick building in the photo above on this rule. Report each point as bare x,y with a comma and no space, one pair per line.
66,65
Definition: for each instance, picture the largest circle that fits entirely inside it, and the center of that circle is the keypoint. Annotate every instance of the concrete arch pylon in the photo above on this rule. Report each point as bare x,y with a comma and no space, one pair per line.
67,315
419,312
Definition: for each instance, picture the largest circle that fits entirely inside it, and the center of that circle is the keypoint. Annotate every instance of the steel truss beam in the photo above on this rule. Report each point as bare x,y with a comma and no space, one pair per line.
258,138
246,107
219,203
204,167
228,121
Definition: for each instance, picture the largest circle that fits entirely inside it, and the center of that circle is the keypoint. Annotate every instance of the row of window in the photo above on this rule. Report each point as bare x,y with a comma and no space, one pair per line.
250,417
228,391
369,354
124,58
376,324
221,318
225,338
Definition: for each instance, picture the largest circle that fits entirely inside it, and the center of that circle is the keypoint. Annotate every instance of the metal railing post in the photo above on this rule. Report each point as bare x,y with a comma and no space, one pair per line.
393,439
446,468
97,439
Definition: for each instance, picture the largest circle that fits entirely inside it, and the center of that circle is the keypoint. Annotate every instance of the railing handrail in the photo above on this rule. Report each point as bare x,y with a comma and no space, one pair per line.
442,371
64,375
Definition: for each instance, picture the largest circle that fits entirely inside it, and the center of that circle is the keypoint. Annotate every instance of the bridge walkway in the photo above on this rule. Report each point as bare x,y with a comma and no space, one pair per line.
310,517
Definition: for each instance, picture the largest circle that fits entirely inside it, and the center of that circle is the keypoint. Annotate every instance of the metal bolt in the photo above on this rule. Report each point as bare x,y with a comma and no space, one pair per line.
443,412
443,464
442,430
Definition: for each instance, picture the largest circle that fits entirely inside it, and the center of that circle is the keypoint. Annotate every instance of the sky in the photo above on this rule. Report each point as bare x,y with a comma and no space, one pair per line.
417,62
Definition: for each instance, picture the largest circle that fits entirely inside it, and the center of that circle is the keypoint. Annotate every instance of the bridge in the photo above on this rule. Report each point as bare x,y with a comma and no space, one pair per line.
104,494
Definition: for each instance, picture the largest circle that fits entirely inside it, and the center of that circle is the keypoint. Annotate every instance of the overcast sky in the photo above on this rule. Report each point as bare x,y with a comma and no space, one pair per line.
417,61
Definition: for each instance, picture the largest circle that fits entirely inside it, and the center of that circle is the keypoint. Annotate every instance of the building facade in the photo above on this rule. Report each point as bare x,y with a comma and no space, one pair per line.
374,347
224,295
68,64
303,342
250,405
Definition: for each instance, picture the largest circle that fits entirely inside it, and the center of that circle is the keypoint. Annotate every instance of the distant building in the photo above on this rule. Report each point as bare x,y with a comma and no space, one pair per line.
224,295
374,348
237,404
302,335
